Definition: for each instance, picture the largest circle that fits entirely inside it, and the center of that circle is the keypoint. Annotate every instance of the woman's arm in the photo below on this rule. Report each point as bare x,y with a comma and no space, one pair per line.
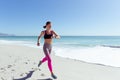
56,36
41,34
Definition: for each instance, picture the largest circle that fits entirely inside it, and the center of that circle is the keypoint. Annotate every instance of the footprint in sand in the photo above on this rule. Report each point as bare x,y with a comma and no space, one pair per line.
26,73
34,63
2,69
9,66
35,69
12,70
2,78
39,69
42,74
26,62
21,74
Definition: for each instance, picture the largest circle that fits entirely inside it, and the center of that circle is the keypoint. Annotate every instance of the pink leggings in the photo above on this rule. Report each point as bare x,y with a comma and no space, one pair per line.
47,58
47,50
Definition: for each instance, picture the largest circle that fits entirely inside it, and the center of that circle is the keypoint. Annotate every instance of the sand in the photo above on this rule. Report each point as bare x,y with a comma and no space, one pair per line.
20,62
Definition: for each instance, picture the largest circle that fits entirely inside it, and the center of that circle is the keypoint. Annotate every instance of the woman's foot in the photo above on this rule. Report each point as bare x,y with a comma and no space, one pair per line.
39,63
53,76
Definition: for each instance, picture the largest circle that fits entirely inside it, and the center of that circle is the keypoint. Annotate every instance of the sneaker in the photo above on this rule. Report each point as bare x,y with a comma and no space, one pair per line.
53,76
39,64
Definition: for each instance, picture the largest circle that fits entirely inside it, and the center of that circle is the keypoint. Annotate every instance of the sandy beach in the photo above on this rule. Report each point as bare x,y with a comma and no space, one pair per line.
20,63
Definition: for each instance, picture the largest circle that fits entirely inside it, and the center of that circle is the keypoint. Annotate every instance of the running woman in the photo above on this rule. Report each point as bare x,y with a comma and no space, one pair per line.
47,47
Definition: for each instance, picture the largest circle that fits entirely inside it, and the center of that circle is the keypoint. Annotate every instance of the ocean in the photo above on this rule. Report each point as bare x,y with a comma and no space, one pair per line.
104,50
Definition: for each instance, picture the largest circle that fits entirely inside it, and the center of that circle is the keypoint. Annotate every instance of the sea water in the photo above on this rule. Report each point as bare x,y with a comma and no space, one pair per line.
93,49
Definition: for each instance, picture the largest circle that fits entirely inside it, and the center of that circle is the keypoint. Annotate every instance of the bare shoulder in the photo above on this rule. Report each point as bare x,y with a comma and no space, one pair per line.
43,31
52,31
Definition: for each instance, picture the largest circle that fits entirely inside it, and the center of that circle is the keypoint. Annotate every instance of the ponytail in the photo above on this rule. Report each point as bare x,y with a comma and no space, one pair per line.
44,27
48,22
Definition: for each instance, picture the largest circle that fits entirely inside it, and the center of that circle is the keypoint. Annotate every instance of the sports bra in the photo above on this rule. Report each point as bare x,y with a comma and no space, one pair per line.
48,36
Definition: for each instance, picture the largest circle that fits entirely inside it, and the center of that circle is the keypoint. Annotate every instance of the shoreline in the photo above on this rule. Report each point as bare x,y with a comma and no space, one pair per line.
20,60
53,53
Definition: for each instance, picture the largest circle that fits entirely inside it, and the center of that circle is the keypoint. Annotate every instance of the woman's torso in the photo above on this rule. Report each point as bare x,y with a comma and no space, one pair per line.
48,36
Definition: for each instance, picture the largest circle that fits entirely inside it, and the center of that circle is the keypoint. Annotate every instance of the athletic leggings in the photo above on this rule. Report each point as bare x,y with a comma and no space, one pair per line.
47,50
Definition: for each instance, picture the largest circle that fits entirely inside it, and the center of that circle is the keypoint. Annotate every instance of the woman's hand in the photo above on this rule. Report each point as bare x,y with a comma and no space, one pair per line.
57,37
38,44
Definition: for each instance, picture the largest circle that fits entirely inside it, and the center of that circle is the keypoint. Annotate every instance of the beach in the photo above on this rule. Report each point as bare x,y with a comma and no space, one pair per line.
20,62
83,35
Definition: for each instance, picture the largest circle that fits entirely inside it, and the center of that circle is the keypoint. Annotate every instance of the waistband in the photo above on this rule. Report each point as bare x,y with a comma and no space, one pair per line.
47,44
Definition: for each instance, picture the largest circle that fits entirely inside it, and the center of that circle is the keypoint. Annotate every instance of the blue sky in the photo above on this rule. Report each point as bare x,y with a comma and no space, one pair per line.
68,17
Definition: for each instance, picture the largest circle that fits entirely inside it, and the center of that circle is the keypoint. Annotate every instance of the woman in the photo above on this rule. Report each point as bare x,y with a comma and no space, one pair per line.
47,47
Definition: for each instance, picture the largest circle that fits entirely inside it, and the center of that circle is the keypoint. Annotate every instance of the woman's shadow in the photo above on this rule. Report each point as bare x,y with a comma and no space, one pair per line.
29,75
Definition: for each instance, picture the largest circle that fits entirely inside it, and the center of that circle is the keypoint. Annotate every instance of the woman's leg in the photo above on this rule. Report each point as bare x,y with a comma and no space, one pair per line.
44,59
47,58
50,66
45,49
49,63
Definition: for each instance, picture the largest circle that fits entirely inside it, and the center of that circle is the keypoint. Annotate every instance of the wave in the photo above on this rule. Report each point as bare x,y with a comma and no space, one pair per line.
23,43
14,42
111,46
99,55
11,42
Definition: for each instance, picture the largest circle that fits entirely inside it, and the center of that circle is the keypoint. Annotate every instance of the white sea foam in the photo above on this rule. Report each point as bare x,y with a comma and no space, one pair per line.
25,43
101,55
11,42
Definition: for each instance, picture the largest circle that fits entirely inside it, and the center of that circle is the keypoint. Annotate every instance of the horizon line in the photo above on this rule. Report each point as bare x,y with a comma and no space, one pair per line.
71,35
